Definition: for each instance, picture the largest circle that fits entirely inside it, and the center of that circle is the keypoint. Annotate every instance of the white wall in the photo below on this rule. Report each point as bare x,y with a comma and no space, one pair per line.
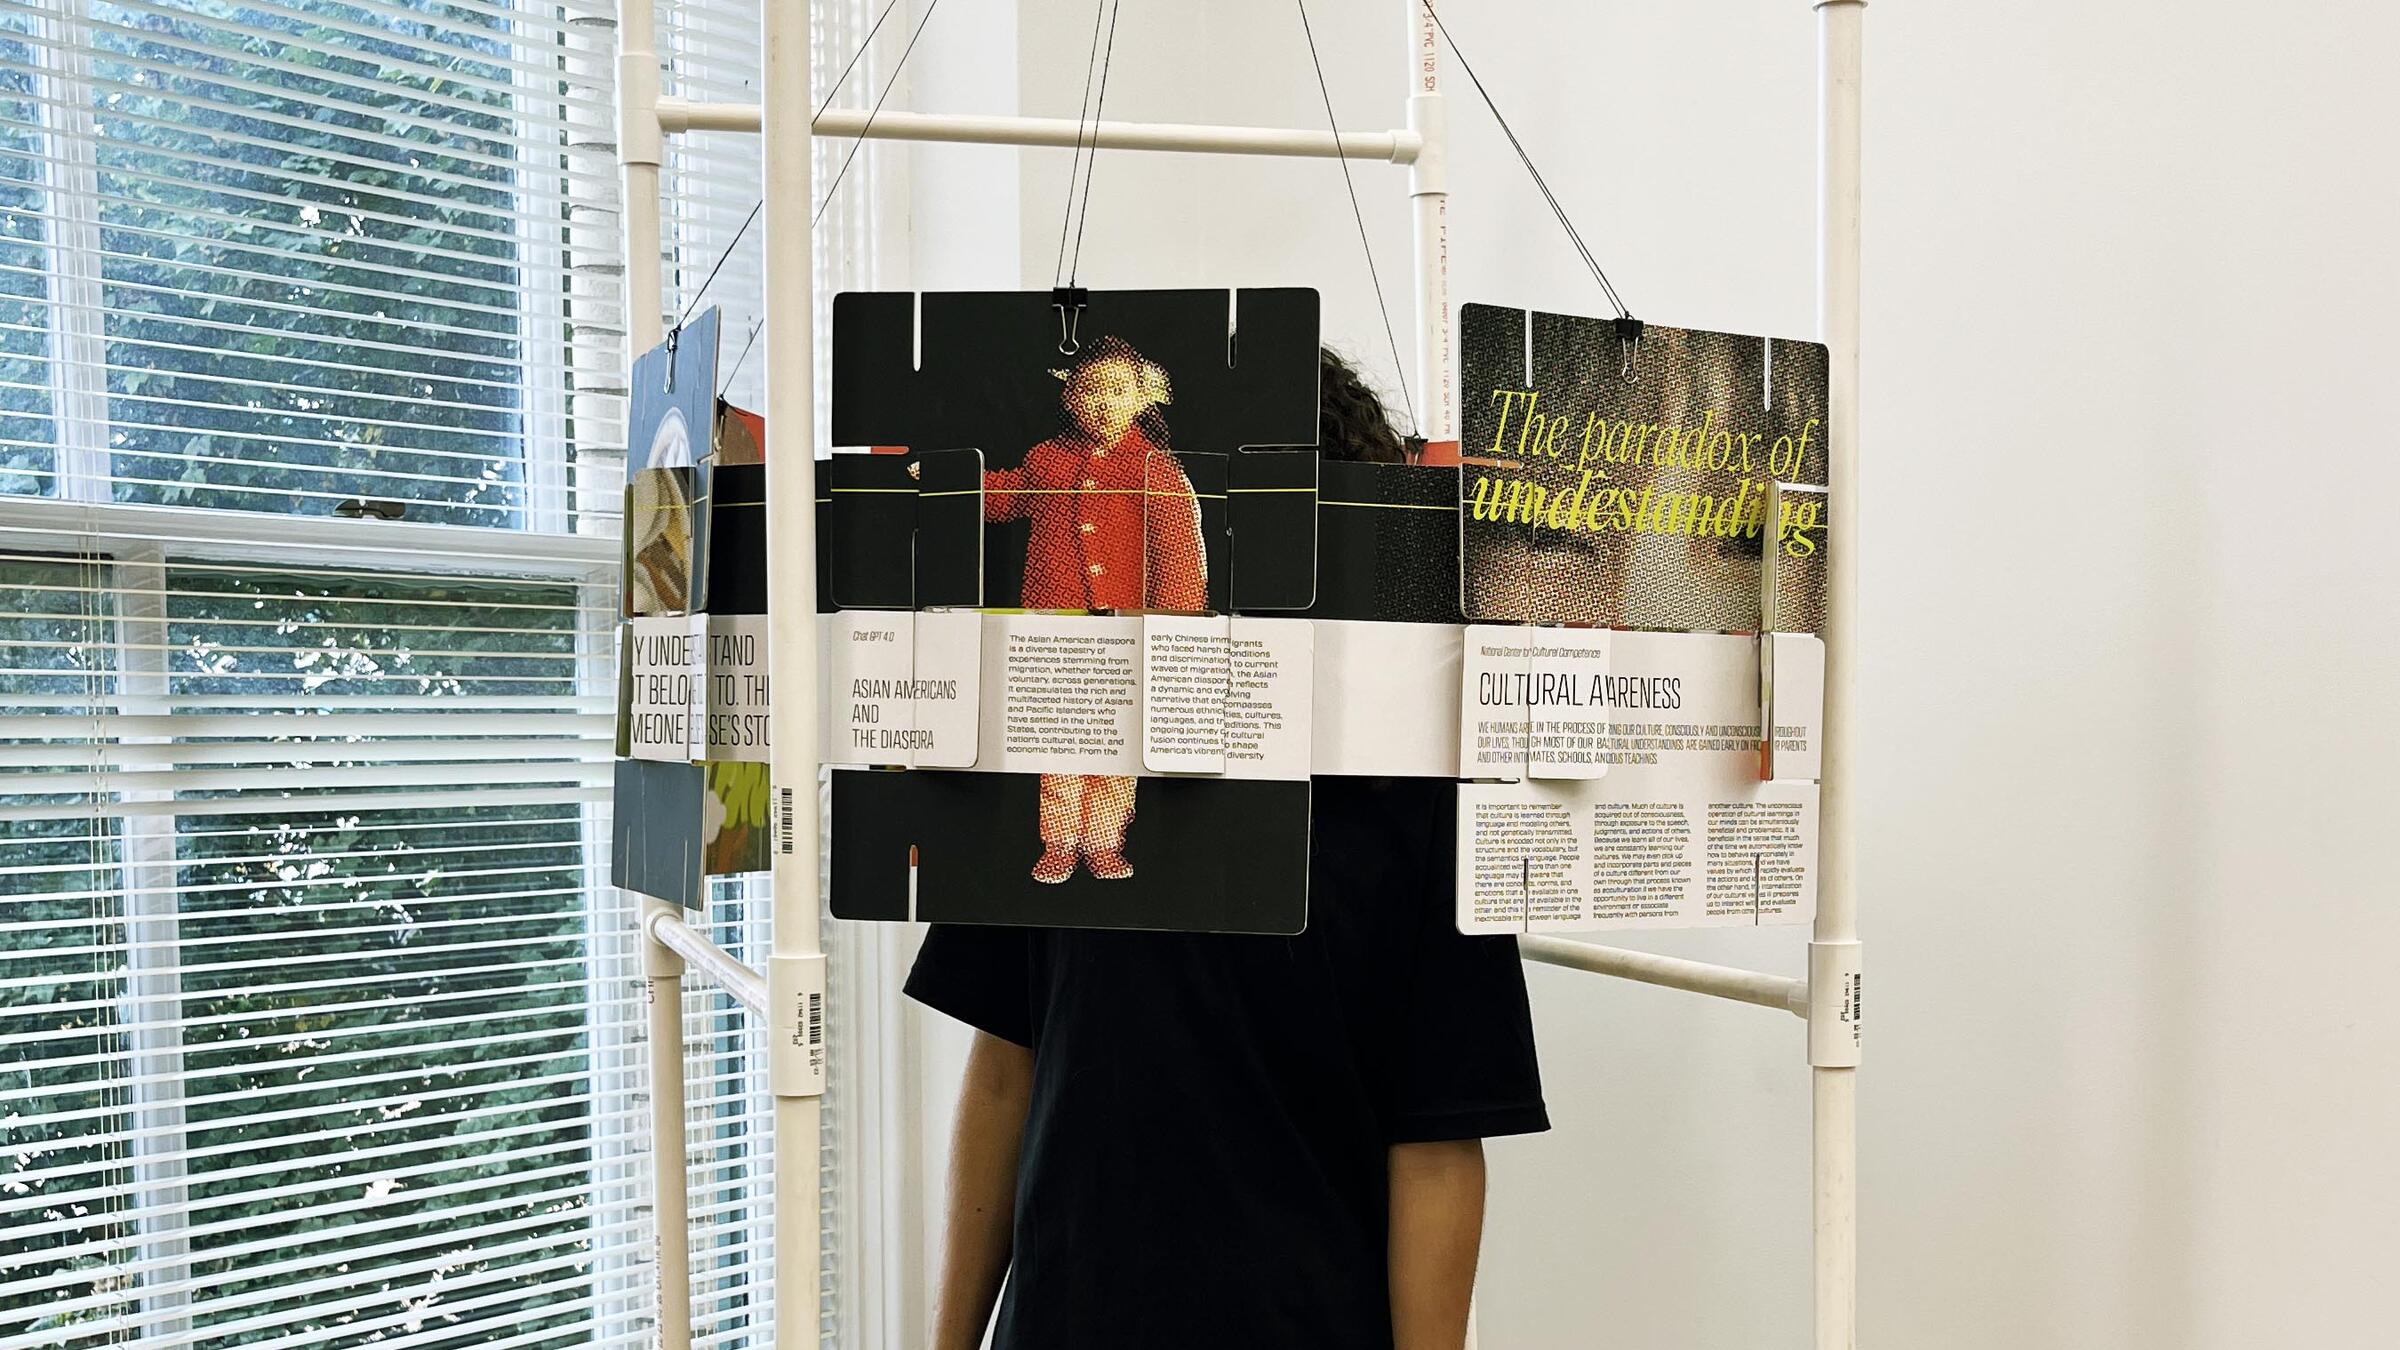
2128,638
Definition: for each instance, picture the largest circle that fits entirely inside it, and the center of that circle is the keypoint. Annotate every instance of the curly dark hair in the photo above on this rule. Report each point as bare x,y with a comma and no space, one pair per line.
1351,421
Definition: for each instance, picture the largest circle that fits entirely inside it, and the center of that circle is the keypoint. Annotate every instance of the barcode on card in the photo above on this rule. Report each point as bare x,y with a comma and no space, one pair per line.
783,820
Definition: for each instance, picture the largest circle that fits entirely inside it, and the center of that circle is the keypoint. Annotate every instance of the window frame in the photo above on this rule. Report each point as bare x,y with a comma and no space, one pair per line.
564,530
560,533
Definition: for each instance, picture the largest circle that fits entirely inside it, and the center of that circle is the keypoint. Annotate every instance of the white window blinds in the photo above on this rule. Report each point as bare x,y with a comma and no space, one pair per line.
317,1018
319,1024
279,256
311,1030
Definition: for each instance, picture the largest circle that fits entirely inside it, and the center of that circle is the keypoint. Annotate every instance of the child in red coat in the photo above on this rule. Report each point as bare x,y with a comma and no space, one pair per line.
1115,527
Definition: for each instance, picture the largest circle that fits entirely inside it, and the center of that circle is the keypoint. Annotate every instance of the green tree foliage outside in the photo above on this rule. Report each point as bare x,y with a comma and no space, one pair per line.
357,300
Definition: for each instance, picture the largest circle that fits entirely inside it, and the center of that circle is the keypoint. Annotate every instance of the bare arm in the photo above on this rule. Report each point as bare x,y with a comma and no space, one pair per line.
983,1188
1436,1231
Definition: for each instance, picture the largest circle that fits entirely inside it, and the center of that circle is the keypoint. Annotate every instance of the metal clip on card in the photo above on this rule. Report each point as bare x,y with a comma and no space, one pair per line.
1629,344
1069,301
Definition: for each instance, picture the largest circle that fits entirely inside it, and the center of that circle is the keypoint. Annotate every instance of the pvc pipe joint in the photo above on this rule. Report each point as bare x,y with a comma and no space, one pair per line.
638,137
1429,122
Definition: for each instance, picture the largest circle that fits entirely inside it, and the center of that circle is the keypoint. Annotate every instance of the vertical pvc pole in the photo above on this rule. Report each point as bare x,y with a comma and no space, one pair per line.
1833,950
1436,388
1434,381
670,1201
638,153
796,959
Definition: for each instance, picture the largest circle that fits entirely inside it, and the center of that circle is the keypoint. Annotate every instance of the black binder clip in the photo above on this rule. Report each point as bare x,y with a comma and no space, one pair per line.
1412,449
1629,345
674,340
1069,302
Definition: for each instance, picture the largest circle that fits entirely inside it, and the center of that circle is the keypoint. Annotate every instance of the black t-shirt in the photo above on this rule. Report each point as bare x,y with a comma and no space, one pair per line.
1204,1161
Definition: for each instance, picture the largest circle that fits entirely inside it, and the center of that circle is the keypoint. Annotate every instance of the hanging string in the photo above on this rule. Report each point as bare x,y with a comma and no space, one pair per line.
864,43
1527,160
692,305
1391,335
1083,213
1066,217
874,112
736,369
730,244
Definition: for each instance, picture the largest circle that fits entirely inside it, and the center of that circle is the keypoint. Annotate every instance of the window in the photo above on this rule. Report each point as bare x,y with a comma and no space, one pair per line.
300,253
318,1022
28,428
306,1038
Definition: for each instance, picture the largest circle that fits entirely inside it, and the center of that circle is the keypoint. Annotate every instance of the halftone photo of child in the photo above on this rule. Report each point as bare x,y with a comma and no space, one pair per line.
1115,526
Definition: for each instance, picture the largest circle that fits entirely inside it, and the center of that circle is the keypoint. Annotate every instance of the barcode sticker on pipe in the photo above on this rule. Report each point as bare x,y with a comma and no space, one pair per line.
796,1046
783,820
1836,1005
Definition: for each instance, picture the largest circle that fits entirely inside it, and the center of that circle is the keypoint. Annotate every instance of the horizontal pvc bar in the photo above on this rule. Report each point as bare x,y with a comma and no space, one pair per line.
748,987
1698,977
1398,147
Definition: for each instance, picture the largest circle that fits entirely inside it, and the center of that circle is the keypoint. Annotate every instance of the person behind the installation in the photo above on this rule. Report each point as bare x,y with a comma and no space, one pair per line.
1170,1140
1115,526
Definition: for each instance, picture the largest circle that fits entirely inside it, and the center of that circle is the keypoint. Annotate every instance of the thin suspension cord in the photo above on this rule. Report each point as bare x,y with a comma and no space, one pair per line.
872,113
1066,217
1083,214
864,43
1399,368
1527,160
722,258
752,218
752,341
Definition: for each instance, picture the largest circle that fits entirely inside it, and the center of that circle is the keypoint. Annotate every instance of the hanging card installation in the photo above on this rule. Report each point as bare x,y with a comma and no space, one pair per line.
1387,620
1627,486
691,798
671,425
1680,832
1103,494
1637,477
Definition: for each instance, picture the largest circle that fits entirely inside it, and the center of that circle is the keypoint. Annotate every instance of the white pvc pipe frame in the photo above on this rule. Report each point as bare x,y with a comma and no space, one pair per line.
1827,998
